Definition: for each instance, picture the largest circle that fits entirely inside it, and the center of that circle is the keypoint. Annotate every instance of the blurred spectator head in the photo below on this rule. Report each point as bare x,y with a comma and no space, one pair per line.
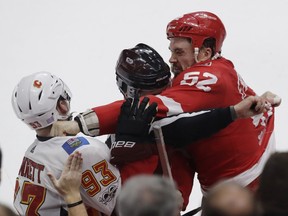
0,164
272,193
6,211
145,195
229,199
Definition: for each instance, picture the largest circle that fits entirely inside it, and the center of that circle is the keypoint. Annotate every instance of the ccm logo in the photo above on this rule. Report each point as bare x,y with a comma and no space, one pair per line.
125,144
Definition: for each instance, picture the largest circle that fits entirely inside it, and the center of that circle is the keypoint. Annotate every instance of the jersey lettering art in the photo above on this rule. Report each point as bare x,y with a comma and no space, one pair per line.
35,194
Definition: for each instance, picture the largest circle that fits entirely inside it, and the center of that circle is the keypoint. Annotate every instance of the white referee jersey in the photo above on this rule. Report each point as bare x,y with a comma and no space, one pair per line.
34,192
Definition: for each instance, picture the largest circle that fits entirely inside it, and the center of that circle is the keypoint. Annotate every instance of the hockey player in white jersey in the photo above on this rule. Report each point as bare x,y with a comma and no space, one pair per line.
40,100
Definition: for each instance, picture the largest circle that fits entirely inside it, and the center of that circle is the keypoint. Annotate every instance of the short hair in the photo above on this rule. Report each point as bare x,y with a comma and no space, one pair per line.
273,187
147,195
207,43
210,43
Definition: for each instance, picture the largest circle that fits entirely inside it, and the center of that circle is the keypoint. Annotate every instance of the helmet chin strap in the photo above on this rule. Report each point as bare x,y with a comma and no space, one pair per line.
196,52
216,56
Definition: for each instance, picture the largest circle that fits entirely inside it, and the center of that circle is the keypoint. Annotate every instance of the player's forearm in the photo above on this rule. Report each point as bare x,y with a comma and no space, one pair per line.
185,128
103,119
99,120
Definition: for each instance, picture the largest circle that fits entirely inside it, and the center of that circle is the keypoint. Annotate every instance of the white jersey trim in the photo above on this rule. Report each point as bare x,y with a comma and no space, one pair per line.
172,106
167,121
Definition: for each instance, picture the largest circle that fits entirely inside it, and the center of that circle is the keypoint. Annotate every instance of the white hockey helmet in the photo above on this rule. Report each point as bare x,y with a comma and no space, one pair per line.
35,99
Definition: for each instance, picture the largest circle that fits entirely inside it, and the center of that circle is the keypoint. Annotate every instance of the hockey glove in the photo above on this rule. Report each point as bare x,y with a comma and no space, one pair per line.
132,140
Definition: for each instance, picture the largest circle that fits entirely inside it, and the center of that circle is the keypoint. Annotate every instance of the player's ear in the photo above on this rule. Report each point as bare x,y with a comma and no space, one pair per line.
205,53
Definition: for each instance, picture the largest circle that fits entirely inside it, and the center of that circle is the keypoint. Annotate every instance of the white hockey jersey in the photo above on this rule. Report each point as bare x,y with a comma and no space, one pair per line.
34,192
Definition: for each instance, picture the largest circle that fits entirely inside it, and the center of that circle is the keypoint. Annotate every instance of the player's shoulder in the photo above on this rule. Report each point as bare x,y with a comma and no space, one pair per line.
213,70
224,61
91,148
82,142
213,66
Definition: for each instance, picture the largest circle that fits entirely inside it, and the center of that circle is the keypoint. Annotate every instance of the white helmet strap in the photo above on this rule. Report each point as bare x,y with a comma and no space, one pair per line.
196,52
216,56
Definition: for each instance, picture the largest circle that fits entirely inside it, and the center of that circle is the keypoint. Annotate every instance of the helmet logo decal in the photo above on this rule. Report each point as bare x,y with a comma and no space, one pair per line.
37,84
129,61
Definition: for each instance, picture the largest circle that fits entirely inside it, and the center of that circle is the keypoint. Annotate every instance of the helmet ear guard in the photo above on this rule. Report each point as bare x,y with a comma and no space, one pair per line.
35,99
141,69
127,90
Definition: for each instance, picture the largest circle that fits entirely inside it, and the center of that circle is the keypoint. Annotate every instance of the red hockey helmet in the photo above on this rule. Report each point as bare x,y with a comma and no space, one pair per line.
198,26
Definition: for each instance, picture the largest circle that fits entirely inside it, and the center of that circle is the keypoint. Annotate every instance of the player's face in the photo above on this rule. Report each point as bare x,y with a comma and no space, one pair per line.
63,107
182,54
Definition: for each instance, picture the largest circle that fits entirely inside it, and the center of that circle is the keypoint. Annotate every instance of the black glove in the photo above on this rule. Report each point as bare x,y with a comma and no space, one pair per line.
132,140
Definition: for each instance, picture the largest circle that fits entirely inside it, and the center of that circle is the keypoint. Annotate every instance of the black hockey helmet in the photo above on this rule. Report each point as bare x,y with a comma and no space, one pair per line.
141,70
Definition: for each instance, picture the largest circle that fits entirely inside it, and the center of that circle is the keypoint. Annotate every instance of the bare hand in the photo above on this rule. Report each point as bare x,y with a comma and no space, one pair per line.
68,185
272,98
64,128
251,106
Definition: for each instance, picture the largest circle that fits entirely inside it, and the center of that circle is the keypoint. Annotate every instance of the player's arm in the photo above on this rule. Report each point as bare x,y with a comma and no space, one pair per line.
103,119
93,122
96,121
132,142
185,128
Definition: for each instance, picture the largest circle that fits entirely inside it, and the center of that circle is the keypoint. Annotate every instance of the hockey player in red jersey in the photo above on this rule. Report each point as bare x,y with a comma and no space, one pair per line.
140,71
203,79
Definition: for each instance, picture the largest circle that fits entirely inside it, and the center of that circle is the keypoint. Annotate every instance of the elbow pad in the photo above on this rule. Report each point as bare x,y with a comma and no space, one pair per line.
88,123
